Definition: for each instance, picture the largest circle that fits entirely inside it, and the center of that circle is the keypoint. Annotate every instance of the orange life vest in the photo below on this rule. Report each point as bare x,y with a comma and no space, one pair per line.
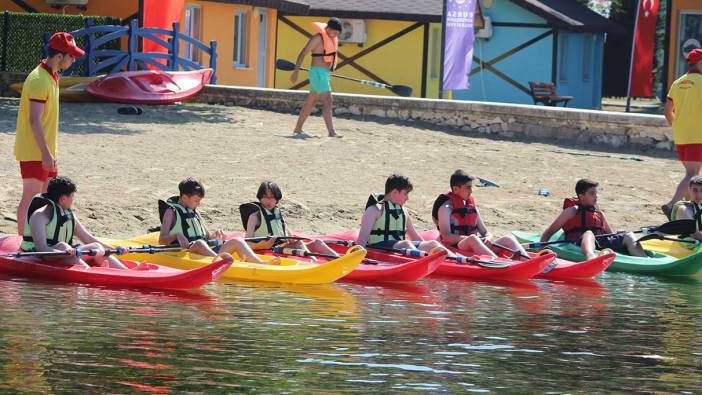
463,212
587,218
331,45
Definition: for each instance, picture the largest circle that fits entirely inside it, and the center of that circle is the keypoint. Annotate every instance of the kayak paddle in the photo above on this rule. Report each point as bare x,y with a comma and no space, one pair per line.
304,253
656,236
678,227
487,183
400,90
457,258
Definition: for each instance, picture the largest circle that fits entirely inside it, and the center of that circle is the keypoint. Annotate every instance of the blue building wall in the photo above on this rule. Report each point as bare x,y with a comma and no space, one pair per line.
535,62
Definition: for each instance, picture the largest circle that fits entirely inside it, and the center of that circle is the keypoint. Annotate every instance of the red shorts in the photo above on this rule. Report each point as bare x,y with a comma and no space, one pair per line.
33,169
689,152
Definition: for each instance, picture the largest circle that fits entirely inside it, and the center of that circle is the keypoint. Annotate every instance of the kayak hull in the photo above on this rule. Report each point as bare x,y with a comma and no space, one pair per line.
290,271
517,270
559,269
656,264
155,277
150,86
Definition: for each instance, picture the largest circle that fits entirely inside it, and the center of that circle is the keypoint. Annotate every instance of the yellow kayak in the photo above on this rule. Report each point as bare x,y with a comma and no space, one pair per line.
672,248
71,89
289,271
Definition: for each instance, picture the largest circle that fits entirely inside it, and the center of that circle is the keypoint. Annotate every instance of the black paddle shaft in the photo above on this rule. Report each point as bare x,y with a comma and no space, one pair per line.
400,90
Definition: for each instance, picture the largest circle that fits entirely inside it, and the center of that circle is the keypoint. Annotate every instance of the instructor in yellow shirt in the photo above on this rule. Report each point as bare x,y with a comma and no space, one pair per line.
683,110
36,137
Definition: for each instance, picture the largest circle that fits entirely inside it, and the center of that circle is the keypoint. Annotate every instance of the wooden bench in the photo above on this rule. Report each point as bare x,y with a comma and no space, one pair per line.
545,92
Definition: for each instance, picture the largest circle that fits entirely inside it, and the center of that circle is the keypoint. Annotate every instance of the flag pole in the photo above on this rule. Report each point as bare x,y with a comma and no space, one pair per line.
631,61
443,50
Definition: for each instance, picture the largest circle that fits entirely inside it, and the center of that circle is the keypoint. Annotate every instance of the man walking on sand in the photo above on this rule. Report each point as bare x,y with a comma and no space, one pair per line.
323,46
36,137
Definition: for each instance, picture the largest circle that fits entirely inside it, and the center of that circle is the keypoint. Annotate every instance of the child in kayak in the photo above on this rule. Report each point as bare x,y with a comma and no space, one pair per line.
386,223
458,219
182,225
263,218
581,221
691,209
50,225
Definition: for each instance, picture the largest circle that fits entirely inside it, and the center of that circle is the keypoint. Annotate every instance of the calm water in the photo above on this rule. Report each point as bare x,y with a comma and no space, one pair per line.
622,333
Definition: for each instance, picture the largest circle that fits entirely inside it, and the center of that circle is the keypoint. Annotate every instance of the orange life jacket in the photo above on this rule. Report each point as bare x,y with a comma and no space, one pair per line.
464,212
331,45
587,218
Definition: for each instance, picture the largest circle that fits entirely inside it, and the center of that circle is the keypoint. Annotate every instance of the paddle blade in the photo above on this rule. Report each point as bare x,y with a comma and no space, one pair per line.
401,90
488,183
679,227
650,236
284,65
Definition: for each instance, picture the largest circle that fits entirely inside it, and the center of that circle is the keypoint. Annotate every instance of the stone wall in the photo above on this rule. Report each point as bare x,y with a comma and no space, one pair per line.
612,129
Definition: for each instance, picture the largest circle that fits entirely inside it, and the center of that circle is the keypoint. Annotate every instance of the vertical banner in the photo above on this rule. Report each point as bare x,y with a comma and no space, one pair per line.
457,51
643,51
160,14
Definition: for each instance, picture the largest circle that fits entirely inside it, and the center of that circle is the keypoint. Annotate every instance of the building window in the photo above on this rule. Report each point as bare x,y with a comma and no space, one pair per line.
241,39
689,37
563,57
193,28
435,63
587,57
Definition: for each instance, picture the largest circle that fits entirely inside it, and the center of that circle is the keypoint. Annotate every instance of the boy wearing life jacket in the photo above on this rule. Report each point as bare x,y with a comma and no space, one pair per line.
50,226
323,46
386,224
581,220
181,224
264,218
691,209
458,219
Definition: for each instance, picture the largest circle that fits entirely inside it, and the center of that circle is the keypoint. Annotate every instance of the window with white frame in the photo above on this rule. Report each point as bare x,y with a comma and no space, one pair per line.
241,38
193,28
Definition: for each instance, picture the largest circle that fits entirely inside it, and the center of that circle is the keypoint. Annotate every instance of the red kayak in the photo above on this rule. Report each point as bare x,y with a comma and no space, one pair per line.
397,269
150,86
563,269
154,276
512,270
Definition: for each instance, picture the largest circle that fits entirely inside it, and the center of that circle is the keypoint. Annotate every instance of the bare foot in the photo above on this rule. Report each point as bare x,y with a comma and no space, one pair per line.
301,135
335,134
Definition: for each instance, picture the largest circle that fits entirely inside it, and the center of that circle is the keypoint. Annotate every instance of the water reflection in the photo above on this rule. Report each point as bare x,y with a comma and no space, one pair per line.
619,333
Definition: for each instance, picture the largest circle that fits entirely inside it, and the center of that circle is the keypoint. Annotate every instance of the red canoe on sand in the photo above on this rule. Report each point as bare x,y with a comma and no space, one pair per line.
563,269
517,270
150,86
154,277
399,269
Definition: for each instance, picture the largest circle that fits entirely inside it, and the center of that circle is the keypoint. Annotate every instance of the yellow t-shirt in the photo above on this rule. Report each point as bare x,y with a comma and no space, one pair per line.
40,86
686,94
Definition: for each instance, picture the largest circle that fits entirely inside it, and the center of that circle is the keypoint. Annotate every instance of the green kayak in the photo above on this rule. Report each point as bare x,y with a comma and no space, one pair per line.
656,264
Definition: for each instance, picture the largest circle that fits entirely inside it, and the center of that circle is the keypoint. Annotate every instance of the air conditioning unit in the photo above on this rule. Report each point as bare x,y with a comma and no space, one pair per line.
58,3
486,31
354,31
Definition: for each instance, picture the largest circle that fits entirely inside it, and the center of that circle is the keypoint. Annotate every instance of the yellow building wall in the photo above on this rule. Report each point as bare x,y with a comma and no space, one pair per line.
398,62
673,46
218,25
114,8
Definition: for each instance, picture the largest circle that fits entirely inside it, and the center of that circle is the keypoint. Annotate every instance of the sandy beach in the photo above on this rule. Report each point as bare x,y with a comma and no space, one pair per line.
123,164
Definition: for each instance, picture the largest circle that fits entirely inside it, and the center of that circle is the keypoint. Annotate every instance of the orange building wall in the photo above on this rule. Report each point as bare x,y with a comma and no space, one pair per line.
673,46
218,25
115,8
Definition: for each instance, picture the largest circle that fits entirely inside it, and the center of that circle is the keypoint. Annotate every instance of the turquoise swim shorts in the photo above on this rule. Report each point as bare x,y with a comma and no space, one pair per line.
319,79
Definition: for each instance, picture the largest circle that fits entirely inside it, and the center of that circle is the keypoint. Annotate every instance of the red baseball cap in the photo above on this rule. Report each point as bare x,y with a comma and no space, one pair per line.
65,43
694,56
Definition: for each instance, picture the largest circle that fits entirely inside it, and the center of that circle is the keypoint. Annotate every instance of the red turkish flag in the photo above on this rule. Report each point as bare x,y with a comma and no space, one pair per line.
161,14
642,73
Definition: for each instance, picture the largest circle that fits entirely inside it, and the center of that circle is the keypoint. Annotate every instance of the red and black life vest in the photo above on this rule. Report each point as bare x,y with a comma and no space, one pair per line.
463,212
587,218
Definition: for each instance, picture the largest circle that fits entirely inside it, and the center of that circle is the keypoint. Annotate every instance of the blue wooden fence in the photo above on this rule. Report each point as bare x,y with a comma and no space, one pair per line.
107,61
